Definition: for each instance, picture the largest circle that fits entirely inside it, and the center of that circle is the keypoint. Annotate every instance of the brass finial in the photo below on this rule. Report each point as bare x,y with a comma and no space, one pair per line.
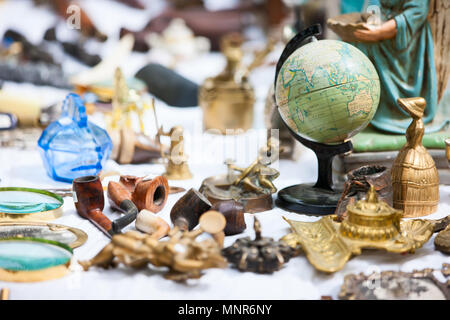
372,196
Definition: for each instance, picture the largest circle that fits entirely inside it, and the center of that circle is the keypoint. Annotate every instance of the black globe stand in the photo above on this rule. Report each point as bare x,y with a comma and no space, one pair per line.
320,198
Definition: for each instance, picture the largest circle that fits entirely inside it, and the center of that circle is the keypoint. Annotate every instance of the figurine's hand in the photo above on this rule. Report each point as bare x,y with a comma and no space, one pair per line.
387,30
368,35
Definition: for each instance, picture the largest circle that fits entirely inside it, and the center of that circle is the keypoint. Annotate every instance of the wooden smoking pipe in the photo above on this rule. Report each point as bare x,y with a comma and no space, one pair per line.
148,194
89,202
234,215
186,212
132,194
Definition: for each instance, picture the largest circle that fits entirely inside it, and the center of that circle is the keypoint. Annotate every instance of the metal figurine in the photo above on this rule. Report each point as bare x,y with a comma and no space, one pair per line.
136,250
261,255
393,285
176,167
370,223
415,180
252,186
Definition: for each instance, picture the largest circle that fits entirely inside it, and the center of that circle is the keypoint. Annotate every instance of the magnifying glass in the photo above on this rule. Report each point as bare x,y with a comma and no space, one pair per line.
33,259
18,203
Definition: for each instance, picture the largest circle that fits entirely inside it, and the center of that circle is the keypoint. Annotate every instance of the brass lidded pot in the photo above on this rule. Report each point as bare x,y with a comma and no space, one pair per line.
227,100
371,219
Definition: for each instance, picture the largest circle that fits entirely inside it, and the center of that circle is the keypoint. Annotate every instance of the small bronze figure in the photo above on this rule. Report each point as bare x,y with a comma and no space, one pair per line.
261,255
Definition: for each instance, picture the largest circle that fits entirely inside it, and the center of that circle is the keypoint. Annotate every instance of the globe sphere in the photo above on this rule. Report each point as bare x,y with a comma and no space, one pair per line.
327,91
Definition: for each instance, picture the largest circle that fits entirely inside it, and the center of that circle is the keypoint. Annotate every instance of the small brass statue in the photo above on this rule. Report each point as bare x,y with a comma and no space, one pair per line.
415,180
176,167
369,223
181,253
253,186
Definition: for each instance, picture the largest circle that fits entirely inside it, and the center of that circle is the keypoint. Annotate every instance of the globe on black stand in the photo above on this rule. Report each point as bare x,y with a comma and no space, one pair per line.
322,197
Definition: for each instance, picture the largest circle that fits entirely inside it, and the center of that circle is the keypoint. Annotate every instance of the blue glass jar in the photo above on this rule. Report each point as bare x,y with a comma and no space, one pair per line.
72,146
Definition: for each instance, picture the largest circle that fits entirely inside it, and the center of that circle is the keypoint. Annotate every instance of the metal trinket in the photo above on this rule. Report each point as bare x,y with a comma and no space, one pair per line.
370,223
261,255
181,253
252,186
390,285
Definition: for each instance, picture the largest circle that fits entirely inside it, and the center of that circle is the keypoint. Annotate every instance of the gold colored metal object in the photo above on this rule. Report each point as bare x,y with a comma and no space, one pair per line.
392,285
370,223
177,167
252,186
227,100
4,294
181,253
415,179
28,232
129,146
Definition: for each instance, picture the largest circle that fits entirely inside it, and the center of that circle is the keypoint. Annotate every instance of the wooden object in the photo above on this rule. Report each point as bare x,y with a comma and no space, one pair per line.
213,222
186,212
90,202
148,194
415,180
233,212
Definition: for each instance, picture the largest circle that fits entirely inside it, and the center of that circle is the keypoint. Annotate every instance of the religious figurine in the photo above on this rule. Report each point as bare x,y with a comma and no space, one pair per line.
401,49
177,167
415,180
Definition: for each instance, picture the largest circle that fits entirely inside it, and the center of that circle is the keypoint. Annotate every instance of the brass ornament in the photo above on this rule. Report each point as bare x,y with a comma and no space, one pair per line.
227,100
392,285
442,241
261,255
252,186
370,223
176,167
181,253
415,180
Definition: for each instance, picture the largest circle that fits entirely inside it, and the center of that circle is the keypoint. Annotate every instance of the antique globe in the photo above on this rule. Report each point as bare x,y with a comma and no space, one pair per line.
327,91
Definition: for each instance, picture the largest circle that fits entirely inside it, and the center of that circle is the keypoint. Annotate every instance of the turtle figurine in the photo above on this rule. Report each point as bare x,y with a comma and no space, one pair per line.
261,255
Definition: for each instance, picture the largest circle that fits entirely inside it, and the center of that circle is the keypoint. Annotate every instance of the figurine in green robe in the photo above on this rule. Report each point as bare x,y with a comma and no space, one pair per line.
401,49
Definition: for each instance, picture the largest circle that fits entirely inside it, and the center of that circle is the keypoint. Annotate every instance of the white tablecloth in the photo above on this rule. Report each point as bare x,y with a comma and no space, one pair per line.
297,280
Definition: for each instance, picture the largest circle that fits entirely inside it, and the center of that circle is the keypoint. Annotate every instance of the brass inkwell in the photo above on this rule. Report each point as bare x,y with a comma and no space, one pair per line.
227,100
370,223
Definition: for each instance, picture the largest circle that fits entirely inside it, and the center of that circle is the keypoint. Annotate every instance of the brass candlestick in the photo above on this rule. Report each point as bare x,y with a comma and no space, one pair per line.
415,180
